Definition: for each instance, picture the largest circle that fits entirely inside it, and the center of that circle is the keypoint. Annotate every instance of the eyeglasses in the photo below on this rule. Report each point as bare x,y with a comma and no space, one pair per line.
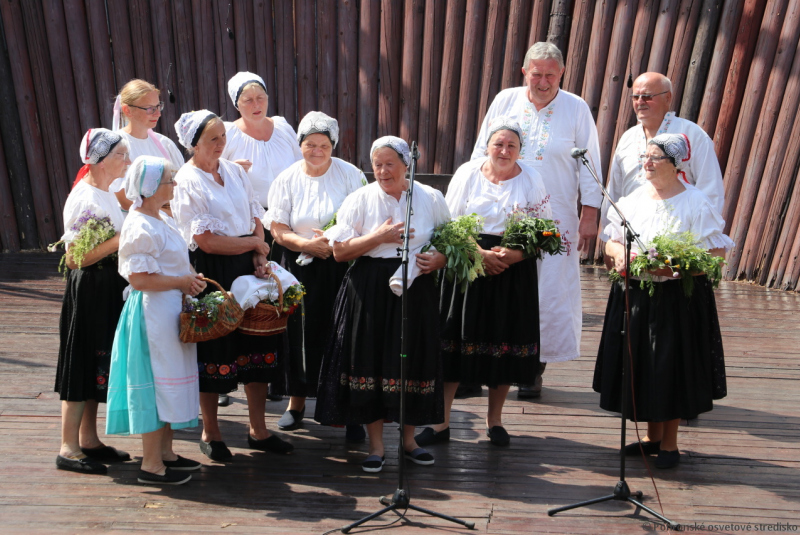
646,97
645,157
150,110
124,155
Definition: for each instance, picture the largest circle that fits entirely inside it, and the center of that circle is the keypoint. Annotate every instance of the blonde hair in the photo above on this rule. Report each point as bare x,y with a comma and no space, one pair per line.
133,91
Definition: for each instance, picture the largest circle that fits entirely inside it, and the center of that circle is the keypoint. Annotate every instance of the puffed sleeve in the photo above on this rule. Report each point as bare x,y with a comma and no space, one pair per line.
613,230
75,208
536,194
614,187
175,155
458,190
441,213
256,210
708,226
190,208
280,199
139,246
349,219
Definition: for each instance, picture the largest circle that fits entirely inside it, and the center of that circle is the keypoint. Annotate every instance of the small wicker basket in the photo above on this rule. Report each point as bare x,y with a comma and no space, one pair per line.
264,319
201,329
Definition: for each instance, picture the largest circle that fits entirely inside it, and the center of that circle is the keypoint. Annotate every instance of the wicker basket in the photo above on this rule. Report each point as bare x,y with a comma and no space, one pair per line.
264,319
201,329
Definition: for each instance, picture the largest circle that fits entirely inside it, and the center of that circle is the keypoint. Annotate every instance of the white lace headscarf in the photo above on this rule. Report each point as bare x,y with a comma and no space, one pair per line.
143,178
96,144
676,146
503,122
316,122
237,83
190,126
394,143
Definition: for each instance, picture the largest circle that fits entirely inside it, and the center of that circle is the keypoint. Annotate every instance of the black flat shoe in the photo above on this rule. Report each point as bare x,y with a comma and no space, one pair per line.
106,454
420,456
273,443
216,450
84,466
170,477
668,459
428,436
183,464
373,464
649,447
291,420
224,400
355,434
497,436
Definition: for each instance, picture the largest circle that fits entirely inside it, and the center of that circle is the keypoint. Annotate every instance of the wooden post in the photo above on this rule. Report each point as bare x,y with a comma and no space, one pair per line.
391,64
347,66
413,26
265,50
688,19
34,147
579,39
368,49
245,42
663,37
492,75
305,47
516,41
81,54
9,232
702,51
102,61
768,147
284,52
182,80
540,21
142,44
560,23
737,77
203,29
119,26
472,54
448,97
598,52
61,66
225,53
751,106
432,48
326,57
161,16
787,223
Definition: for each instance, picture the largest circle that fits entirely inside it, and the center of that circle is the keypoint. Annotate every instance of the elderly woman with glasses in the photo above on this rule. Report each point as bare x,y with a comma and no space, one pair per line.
304,199
137,110
91,307
676,347
153,385
220,218
360,377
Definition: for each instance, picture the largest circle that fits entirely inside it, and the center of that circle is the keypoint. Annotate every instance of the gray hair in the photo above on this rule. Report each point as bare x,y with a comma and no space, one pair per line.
543,50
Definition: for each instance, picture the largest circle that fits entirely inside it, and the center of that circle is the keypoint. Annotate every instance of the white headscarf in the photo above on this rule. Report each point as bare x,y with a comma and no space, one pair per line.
676,146
237,83
190,126
316,122
143,178
394,143
503,122
96,144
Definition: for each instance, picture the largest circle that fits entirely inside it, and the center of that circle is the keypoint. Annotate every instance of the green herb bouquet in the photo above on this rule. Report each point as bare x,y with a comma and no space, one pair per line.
92,230
458,241
681,254
533,235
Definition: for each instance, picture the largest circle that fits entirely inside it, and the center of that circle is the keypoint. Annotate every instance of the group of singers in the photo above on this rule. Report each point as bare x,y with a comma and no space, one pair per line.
255,190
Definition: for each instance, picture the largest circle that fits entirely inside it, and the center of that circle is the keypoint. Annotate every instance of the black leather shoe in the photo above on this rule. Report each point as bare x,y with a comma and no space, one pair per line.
355,434
649,447
106,454
216,450
84,466
291,420
428,436
224,400
170,477
668,459
273,443
497,436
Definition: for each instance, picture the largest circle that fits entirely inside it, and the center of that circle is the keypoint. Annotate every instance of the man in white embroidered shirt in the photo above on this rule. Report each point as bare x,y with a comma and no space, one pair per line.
651,99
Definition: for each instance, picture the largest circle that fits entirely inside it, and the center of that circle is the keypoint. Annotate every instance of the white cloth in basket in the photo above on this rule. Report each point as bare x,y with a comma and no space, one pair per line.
249,290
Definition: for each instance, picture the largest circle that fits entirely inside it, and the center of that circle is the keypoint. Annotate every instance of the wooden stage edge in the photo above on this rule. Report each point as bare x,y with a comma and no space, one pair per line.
739,465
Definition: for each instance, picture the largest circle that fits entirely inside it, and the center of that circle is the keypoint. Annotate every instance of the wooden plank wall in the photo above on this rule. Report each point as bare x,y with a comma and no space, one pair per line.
423,69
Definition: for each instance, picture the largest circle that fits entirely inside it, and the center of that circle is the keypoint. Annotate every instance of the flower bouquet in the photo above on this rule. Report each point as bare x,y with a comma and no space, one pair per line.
458,241
92,230
681,255
531,234
212,316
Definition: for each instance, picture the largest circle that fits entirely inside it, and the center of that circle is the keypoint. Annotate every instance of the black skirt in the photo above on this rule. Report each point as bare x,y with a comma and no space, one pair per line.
677,356
360,375
308,328
490,333
89,314
225,362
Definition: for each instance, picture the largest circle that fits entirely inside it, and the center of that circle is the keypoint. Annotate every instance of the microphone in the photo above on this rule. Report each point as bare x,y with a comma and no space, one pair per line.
577,153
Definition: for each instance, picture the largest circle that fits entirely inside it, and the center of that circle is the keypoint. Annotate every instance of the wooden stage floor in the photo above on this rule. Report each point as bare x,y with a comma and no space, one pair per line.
739,466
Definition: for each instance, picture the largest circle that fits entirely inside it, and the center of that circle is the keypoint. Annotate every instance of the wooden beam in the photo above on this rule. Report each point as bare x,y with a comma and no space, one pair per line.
580,36
284,53
161,20
413,26
702,51
81,54
448,96
685,30
119,26
326,57
225,54
102,61
347,67
182,80
142,46
368,48
9,232
202,26
663,36
560,24
598,52
432,49
305,47
516,43
265,50
467,121
540,21
391,65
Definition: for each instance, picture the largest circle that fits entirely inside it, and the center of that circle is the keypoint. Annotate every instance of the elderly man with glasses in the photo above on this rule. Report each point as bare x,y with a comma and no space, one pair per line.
651,99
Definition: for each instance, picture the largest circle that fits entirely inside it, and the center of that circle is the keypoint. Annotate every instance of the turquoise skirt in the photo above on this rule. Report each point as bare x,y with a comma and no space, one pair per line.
131,406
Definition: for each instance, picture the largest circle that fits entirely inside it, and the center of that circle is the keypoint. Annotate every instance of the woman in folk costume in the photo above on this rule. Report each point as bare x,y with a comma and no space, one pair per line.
153,386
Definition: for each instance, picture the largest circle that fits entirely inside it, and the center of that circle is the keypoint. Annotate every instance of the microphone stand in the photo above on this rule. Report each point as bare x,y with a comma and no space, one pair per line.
402,498
621,491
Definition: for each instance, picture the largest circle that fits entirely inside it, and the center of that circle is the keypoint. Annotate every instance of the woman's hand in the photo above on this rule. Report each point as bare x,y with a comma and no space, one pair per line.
430,261
509,256
318,246
390,232
192,284
246,164
260,247
492,263
260,265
